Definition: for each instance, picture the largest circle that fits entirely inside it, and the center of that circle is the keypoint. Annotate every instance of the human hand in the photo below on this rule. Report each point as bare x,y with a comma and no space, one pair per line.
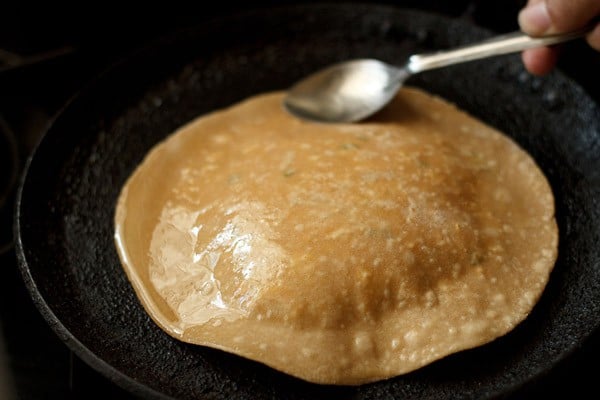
545,17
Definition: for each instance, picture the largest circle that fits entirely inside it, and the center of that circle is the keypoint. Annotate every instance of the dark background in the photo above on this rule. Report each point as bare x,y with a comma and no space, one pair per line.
48,52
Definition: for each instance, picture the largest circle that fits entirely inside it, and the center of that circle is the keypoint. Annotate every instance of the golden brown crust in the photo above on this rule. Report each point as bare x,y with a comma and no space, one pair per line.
339,254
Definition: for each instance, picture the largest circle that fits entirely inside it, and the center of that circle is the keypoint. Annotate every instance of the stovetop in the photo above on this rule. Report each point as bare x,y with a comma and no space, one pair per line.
44,59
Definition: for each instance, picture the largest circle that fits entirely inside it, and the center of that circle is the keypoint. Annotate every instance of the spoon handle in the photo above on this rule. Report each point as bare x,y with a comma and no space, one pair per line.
504,44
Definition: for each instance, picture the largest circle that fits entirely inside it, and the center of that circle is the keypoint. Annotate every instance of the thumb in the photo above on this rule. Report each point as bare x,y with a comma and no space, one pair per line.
555,16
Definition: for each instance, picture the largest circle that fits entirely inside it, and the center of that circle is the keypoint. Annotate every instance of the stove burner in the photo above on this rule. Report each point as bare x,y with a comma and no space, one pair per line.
9,170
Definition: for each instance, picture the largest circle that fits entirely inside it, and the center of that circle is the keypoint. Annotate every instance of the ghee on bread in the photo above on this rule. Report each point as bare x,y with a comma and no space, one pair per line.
340,254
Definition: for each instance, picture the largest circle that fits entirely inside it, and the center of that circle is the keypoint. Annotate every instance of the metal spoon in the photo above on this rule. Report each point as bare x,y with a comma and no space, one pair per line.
353,90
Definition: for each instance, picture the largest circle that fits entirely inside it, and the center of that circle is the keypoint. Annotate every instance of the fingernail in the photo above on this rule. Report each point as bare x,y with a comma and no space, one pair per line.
535,19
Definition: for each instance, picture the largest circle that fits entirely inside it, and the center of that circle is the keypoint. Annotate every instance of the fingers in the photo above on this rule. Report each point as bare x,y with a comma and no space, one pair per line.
542,17
545,17
541,60
594,38
534,19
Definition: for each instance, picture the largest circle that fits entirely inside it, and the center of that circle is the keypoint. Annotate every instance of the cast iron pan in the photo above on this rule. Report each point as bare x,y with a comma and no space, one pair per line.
64,217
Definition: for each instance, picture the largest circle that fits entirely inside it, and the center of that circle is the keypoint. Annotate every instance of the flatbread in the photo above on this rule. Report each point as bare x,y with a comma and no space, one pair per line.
340,254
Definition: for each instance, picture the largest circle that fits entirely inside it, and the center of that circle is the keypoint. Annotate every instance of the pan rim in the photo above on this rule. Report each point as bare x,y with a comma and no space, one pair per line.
64,334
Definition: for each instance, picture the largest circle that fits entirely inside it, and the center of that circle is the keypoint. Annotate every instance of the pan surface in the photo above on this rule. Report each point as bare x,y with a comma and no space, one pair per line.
64,219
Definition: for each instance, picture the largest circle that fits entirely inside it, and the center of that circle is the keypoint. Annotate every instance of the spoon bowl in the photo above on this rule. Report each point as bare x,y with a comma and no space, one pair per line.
346,92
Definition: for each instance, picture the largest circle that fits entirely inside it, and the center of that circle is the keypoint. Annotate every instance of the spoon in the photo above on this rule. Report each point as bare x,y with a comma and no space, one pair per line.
353,90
